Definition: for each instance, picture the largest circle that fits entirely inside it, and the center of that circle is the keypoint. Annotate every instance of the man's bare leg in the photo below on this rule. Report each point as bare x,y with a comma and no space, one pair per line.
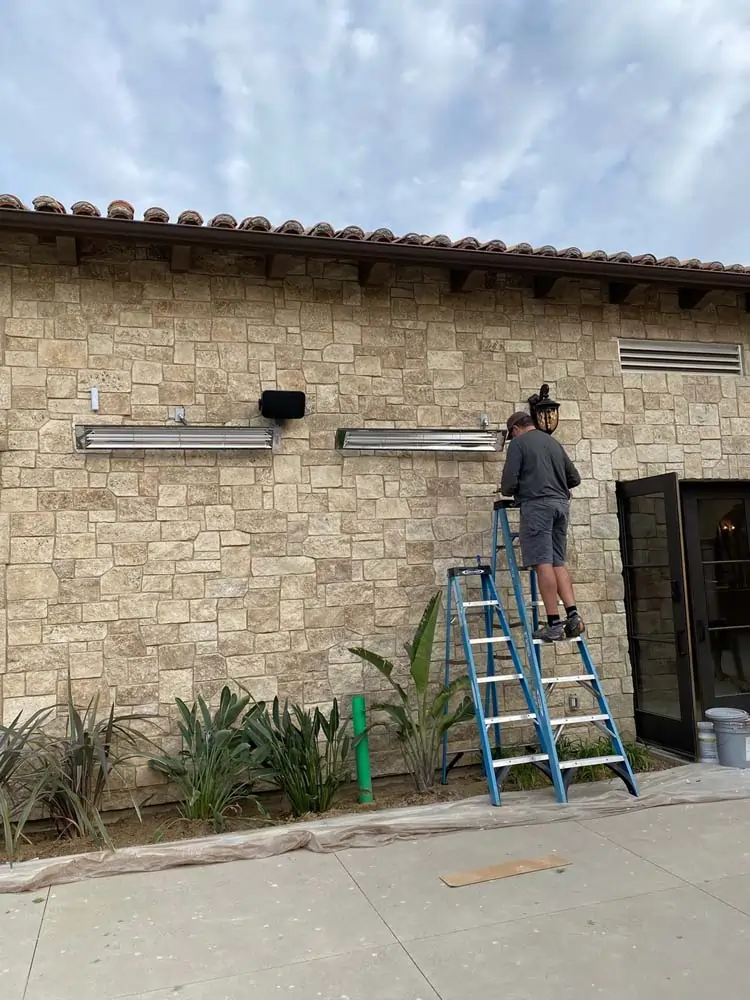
547,579
564,586
553,629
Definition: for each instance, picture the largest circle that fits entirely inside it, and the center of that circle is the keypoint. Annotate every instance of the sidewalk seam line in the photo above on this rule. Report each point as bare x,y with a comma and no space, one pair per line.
397,939
36,944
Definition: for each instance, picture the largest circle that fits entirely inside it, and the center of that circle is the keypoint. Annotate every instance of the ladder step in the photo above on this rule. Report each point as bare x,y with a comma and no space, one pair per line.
591,761
529,758
514,717
486,640
543,642
481,604
570,719
499,678
570,679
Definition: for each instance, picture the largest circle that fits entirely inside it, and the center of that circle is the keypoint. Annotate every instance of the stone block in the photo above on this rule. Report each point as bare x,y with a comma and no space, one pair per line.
173,612
390,508
287,469
62,354
138,606
24,583
32,549
282,566
219,518
325,476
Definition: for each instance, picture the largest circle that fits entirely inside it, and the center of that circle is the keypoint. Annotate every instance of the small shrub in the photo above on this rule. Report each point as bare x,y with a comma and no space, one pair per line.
302,753
423,715
22,780
572,747
63,777
77,767
213,770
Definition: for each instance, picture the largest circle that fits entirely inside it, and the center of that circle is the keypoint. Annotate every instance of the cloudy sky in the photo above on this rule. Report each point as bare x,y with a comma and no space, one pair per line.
598,123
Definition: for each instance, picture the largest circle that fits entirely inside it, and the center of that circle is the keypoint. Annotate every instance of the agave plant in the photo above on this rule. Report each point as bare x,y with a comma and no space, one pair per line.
425,713
213,769
303,753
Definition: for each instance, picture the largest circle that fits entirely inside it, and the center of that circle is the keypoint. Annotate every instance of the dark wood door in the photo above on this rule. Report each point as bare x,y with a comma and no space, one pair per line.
651,542
717,546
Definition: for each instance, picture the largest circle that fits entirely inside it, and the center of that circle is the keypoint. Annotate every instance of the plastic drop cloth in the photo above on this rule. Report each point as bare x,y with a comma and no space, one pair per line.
692,783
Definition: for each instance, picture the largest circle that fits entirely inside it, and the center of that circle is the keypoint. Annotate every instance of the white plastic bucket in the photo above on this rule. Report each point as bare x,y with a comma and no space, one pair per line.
707,750
732,728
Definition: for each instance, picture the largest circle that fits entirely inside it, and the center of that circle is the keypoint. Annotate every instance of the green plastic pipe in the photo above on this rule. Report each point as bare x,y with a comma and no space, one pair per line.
362,751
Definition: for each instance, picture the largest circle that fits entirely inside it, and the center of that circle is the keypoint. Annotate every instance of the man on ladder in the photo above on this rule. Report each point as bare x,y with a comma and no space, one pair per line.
539,475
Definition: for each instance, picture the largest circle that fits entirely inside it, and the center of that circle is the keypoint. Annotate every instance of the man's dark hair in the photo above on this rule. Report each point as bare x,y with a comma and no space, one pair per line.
519,419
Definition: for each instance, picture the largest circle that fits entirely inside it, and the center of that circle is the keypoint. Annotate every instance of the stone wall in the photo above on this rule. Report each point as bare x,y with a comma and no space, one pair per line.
151,576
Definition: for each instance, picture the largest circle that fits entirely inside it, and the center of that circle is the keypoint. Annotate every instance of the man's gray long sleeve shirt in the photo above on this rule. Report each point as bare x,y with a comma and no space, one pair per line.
536,467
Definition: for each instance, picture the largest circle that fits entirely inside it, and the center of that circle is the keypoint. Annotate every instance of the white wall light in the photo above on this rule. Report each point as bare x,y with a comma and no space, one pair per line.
100,437
421,439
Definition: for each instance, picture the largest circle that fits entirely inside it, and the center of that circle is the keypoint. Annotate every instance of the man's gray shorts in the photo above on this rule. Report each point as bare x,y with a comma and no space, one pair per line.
543,532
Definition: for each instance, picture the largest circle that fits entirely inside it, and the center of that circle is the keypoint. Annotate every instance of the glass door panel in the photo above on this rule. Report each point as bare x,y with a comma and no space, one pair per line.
717,528
651,545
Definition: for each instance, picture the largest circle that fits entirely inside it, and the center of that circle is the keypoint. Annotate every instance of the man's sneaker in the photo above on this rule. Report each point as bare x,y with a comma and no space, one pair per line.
574,626
550,633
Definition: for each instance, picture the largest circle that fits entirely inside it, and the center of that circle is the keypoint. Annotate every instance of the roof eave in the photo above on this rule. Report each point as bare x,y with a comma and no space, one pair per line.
261,243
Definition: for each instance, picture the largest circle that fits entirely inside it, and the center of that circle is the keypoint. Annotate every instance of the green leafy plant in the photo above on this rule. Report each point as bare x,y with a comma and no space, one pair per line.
22,780
62,776
577,748
78,766
425,713
213,770
303,753
524,777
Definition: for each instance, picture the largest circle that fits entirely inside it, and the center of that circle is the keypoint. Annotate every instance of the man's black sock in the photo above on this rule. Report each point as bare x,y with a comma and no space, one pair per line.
572,610
553,619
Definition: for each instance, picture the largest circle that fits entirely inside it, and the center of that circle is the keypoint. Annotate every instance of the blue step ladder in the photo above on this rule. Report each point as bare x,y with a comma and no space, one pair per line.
504,540
484,686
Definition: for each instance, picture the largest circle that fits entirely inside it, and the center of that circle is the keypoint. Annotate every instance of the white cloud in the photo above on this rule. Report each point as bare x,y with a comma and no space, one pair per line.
615,125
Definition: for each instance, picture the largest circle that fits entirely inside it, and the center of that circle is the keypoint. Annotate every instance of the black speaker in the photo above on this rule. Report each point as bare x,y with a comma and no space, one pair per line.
282,404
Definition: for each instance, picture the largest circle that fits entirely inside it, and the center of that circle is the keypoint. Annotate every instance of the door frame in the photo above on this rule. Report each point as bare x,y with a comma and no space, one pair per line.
674,734
691,491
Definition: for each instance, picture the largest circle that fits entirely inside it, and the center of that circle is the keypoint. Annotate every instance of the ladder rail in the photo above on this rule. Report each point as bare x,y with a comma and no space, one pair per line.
491,700
502,523
447,675
484,740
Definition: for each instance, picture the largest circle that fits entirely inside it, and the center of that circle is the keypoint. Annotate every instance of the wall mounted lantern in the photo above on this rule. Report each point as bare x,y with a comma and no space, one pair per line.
544,411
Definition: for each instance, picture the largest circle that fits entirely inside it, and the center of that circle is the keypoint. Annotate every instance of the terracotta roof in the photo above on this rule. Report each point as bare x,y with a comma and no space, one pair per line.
123,210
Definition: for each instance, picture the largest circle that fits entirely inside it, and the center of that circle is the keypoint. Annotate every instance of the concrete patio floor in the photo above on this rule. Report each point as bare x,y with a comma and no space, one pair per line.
655,904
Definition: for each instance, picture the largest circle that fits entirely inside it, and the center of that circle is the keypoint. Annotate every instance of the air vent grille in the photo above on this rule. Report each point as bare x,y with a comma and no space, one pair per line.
679,356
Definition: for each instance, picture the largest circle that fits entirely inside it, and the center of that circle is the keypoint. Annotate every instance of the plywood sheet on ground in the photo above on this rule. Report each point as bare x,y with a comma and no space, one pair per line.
506,870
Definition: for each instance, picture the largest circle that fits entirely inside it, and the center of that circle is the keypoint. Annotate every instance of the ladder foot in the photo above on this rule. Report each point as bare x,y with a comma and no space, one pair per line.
620,770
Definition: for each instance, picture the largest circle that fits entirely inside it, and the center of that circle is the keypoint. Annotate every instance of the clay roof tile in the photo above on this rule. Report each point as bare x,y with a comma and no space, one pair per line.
123,210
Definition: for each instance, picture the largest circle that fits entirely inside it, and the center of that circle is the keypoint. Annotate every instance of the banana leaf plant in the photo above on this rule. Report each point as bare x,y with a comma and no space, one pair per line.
303,752
214,769
425,712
